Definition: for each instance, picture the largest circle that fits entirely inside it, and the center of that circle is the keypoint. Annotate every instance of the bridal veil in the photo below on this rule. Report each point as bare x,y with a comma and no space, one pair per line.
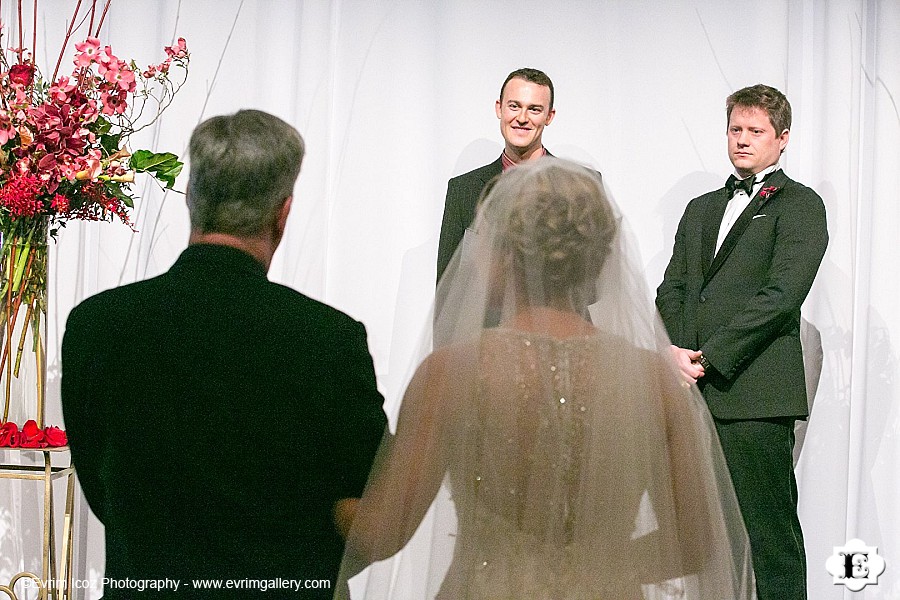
547,448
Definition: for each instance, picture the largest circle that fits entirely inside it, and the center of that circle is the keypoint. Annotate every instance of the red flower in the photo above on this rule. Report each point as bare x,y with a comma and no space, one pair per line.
32,436
55,437
60,203
767,191
22,74
9,435
20,196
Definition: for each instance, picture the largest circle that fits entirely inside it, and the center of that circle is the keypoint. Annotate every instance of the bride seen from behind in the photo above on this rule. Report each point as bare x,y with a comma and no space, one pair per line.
578,465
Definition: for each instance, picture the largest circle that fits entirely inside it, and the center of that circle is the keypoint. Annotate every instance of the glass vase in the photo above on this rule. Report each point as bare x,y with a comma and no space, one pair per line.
23,321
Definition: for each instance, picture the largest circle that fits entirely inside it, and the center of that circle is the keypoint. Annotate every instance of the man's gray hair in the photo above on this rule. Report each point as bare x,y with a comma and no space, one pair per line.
242,168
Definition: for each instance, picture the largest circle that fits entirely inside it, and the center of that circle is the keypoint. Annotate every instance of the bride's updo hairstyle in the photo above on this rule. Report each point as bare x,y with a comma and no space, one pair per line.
554,223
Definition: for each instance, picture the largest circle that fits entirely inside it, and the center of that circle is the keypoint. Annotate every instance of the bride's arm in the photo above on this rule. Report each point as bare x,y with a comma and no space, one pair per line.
409,468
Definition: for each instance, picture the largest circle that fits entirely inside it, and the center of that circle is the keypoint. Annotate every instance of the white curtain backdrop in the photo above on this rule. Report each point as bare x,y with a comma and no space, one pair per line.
394,97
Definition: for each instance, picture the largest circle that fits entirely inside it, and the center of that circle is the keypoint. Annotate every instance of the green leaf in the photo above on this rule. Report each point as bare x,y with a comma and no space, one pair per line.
144,160
164,166
110,143
113,189
102,126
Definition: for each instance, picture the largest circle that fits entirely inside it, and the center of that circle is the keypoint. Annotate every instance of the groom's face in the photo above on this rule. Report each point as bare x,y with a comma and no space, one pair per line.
753,144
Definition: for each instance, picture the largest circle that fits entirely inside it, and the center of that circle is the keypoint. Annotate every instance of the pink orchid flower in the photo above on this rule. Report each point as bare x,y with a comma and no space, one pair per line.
7,130
92,170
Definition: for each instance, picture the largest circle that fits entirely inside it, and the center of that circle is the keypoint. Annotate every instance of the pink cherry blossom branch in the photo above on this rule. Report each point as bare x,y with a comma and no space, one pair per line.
66,39
34,31
21,39
102,17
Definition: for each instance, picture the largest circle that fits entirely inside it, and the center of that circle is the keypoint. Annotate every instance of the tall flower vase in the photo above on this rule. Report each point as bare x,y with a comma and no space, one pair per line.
23,434
23,322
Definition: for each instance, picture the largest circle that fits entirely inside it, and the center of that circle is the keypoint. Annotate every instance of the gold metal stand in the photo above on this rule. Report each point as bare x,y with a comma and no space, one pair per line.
55,580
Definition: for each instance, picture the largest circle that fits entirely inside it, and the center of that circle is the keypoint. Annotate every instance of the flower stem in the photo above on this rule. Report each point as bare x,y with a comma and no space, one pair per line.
24,267
13,315
8,337
65,43
21,36
102,17
21,345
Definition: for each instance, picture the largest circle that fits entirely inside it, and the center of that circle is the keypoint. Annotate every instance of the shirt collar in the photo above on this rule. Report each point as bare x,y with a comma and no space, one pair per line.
508,162
759,176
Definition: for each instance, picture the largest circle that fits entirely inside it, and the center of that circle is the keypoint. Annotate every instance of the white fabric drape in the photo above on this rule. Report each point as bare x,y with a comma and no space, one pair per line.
395,96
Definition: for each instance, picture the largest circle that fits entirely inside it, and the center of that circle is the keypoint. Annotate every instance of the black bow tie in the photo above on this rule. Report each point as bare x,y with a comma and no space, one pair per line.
734,184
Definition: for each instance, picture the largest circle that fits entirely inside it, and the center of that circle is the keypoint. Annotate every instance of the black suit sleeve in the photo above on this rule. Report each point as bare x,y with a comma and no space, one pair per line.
363,419
670,293
82,406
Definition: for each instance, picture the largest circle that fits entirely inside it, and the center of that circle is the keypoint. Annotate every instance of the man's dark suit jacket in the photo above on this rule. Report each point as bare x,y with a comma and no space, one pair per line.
463,192
214,419
742,308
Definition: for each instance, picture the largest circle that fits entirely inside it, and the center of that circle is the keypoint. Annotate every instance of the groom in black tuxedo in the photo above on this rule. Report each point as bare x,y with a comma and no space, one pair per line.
215,418
525,107
744,259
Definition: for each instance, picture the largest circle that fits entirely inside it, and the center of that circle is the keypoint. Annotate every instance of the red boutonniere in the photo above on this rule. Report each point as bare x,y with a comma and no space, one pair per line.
31,436
767,191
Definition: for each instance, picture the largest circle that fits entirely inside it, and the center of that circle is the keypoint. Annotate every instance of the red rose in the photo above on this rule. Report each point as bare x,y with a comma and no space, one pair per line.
768,191
22,74
32,436
55,437
9,435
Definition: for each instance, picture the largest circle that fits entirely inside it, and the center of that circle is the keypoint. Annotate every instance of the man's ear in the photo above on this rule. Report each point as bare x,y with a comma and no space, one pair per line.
284,212
550,116
783,139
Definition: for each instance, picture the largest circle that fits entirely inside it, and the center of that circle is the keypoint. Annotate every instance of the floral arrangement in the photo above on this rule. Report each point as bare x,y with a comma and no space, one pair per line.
64,155
31,436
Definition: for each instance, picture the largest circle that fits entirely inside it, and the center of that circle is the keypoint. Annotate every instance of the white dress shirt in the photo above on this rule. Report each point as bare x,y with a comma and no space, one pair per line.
738,203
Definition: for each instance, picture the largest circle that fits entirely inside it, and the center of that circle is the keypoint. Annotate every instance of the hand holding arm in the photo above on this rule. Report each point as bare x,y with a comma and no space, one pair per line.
410,466
687,363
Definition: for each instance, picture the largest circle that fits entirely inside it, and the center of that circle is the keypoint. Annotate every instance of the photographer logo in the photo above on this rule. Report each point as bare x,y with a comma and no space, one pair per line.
855,565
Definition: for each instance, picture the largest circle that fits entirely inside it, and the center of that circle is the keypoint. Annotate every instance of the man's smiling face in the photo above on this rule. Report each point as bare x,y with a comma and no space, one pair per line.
524,110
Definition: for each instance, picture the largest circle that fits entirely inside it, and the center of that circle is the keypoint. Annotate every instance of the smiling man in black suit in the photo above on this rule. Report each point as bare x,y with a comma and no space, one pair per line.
525,107
215,417
744,259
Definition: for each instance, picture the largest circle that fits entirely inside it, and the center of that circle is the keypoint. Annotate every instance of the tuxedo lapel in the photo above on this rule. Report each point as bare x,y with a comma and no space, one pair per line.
711,224
777,180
